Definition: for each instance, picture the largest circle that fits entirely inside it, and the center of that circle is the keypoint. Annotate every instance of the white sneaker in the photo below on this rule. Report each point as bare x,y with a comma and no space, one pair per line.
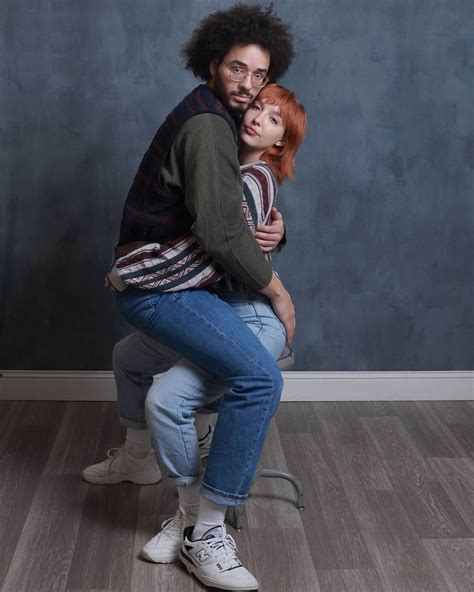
214,562
164,547
120,467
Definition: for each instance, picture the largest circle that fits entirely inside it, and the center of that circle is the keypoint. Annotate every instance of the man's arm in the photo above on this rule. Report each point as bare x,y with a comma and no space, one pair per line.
213,196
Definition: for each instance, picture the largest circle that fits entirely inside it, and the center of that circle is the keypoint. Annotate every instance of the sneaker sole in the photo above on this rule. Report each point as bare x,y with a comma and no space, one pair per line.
169,559
119,480
193,570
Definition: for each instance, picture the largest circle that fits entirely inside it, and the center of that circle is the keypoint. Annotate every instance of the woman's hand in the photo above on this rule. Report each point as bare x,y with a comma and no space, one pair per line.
269,235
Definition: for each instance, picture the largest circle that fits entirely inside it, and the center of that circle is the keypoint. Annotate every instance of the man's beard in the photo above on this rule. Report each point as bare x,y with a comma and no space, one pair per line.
240,108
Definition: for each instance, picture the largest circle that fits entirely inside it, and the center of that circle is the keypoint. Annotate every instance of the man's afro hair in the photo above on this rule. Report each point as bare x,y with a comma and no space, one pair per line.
241,24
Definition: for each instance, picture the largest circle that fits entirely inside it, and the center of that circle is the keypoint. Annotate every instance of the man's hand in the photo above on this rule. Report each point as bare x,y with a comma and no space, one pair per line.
282,305
269,235
284,309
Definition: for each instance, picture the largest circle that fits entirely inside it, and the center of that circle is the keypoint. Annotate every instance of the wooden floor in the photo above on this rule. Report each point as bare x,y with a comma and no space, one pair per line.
389,493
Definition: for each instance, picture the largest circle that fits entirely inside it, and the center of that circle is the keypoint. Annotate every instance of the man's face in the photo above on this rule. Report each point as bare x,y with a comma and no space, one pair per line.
237,96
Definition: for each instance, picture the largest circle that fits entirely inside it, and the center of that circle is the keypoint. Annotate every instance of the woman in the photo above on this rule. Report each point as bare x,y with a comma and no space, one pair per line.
270,134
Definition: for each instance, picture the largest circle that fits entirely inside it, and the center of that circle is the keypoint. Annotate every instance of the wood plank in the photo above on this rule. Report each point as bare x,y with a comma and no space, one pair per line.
45,549
11,414
336,541
349,580
113,433
456,560
22,460
453,411
20,467
78,438
104,550
400,559
394,548
381,513
464,434
392,543
370,408
352,449
296,419
279,558
457,478
272,500
170,577
425,501
429,433
103,554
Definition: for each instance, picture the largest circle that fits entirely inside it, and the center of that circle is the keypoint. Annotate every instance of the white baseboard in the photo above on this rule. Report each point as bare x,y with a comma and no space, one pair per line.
299,386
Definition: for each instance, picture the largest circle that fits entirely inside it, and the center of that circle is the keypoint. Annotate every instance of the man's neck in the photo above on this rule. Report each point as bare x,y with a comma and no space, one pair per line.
236,115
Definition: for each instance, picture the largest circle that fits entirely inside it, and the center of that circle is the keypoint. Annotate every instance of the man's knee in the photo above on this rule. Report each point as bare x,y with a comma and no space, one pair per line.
122,350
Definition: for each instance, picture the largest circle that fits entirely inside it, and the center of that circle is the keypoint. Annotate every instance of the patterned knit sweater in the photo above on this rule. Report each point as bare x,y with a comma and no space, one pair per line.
171,269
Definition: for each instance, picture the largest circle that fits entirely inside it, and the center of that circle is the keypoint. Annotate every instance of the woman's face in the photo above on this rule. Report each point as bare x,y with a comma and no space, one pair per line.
262,126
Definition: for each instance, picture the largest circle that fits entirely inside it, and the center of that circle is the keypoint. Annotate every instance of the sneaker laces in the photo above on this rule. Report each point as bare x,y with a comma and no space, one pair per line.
169,523
226,546
113,454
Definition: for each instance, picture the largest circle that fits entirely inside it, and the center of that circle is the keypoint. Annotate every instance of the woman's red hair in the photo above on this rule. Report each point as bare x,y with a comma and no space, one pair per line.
281,159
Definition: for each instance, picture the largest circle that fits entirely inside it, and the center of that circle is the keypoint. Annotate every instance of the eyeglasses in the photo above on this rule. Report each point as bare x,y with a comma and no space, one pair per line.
239,73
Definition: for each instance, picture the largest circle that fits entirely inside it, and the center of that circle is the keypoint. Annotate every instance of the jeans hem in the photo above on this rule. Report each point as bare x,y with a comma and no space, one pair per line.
221,498
183,481
136,425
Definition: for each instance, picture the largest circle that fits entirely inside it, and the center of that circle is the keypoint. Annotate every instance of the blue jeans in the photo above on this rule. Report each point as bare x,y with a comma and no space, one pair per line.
205,330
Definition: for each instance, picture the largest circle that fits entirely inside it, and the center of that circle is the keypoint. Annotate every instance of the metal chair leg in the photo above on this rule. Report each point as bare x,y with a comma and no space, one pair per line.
235,516
289,477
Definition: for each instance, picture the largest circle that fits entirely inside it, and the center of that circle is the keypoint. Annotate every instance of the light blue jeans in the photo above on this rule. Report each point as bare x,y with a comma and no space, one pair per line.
230,364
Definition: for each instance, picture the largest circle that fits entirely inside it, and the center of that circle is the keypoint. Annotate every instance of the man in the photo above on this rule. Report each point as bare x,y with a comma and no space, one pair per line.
235,52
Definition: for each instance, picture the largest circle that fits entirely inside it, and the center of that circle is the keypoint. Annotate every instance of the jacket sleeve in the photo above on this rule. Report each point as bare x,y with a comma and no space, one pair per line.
213,196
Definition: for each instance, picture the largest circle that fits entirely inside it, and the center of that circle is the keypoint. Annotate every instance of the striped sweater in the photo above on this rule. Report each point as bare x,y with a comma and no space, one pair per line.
183,264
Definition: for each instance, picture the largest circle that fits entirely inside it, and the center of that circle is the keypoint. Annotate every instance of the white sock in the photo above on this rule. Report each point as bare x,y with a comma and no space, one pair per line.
138,442
210,515
189,502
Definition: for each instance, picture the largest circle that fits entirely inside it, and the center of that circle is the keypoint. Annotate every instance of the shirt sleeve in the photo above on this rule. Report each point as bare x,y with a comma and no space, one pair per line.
213,196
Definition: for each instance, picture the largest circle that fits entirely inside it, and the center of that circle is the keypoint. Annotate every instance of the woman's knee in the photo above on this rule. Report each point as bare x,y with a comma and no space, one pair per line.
166,406
121,352
158,405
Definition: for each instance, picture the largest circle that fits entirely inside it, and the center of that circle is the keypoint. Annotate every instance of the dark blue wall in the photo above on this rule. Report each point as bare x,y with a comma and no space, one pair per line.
379,216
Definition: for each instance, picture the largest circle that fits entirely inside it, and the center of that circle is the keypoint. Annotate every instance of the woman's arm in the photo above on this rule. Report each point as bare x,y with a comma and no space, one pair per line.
260,194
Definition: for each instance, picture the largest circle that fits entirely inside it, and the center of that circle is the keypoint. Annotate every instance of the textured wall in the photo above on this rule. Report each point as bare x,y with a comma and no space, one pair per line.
379,216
